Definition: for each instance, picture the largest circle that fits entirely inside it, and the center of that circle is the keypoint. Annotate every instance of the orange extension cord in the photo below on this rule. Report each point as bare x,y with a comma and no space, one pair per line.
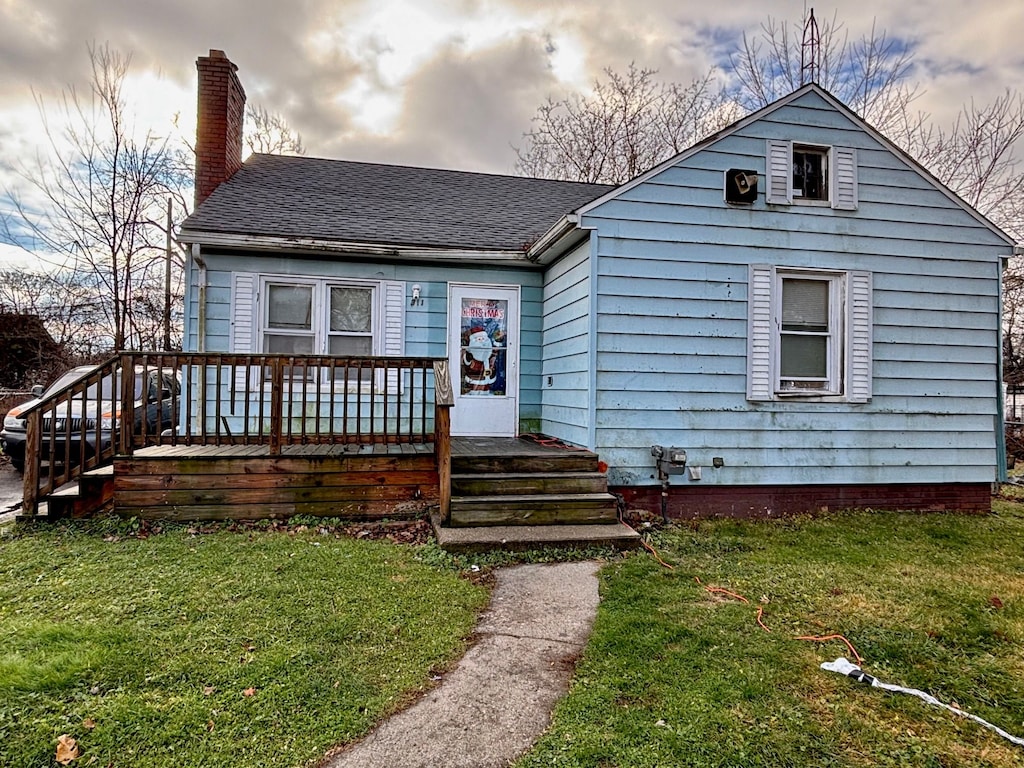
760,609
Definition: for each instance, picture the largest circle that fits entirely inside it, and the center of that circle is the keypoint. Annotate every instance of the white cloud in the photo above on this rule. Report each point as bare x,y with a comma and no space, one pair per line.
370,78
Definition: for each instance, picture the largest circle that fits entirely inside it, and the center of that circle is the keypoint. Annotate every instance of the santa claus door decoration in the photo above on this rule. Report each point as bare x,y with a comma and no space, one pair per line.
484,324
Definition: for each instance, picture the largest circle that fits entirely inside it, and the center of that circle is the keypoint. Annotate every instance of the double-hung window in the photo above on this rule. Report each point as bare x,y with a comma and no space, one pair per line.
318,317
288,322
809,334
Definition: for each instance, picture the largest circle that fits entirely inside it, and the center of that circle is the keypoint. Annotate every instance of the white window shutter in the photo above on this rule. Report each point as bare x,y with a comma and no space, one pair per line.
779,170
760,376
844,179
393,331
860,334
243,312
243,321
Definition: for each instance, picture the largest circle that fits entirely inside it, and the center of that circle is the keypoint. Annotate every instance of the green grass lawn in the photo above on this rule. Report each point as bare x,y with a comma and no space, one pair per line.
677,676
254,648
265,648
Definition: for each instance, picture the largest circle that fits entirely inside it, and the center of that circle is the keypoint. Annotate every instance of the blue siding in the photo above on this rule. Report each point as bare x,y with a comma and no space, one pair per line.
426,324
672,270
565,401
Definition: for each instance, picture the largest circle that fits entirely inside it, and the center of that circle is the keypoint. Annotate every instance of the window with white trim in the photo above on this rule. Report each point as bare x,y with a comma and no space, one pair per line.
809,334
811,174
810,327
318,317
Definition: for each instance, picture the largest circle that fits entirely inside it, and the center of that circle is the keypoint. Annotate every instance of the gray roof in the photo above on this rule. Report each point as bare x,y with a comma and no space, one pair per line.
279,196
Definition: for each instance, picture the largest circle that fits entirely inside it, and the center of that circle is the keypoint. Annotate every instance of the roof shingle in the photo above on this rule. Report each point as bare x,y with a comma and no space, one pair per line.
282,196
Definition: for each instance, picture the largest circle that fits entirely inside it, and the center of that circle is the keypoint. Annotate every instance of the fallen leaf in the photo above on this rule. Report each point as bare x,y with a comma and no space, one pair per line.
209,725
67,749
995,602
208,690
249,692
89,723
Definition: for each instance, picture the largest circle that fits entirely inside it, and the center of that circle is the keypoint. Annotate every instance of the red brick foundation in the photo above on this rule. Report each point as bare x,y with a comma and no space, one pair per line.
757,501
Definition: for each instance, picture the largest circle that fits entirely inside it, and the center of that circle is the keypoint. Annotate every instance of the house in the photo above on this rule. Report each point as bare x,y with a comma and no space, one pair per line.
794,302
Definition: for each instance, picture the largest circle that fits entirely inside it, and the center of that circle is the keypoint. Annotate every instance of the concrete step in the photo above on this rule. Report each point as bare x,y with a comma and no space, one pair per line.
523,537
500,483
533,509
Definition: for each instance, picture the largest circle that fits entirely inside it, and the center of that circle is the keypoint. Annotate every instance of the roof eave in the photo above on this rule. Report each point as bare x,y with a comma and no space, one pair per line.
317,246
560,238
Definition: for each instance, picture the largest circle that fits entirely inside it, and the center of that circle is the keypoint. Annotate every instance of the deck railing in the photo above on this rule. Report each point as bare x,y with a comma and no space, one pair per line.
72,430
272,400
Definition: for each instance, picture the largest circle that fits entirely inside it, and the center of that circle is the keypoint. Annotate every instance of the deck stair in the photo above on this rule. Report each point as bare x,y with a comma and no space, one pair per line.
518,494
87,495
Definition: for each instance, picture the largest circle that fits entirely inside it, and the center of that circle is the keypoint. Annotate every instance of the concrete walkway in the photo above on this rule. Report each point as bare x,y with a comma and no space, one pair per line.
492,707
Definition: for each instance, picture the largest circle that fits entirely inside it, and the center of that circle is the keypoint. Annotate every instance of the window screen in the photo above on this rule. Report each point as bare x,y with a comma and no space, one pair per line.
805,337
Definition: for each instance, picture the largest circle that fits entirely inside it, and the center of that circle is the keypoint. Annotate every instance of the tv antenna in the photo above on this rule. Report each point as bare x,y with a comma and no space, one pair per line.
810,51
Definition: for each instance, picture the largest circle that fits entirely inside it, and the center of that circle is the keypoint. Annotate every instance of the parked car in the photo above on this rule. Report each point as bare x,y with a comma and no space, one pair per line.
93,416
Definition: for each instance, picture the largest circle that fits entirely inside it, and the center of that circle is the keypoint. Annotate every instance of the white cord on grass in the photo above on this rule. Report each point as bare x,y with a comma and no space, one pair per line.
845,667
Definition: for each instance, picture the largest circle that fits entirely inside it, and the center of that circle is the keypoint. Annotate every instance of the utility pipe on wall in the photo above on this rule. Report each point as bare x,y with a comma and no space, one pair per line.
200,299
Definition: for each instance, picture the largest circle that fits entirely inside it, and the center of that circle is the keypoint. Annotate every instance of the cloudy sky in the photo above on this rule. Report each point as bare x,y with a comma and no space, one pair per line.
446,83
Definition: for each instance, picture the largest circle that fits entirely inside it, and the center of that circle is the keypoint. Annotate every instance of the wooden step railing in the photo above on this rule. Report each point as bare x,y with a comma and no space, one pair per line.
272,400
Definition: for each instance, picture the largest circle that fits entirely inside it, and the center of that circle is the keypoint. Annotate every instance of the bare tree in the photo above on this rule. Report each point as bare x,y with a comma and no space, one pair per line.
97,196
269,133
975,157
629,123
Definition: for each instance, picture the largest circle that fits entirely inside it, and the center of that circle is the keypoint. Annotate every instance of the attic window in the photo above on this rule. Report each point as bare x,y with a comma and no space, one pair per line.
810,173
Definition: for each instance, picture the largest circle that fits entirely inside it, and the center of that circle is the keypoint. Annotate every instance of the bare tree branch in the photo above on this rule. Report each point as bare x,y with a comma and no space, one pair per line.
269,133
628,124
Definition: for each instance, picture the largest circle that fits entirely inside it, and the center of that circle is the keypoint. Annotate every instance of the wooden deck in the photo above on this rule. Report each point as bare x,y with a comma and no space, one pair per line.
515,448
370,481
462,447
210,482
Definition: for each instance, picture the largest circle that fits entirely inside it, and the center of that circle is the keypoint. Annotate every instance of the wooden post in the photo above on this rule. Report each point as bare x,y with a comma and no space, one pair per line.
276,405
126,422
167,276
443,402
30,483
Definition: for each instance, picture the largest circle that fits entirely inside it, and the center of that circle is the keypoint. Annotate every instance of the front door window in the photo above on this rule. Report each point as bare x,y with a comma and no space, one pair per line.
484,333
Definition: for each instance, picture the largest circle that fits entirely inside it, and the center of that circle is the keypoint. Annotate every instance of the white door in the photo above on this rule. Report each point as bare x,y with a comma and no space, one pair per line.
483,354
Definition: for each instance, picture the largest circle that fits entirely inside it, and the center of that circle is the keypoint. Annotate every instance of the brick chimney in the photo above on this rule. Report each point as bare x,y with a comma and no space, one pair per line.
219,123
